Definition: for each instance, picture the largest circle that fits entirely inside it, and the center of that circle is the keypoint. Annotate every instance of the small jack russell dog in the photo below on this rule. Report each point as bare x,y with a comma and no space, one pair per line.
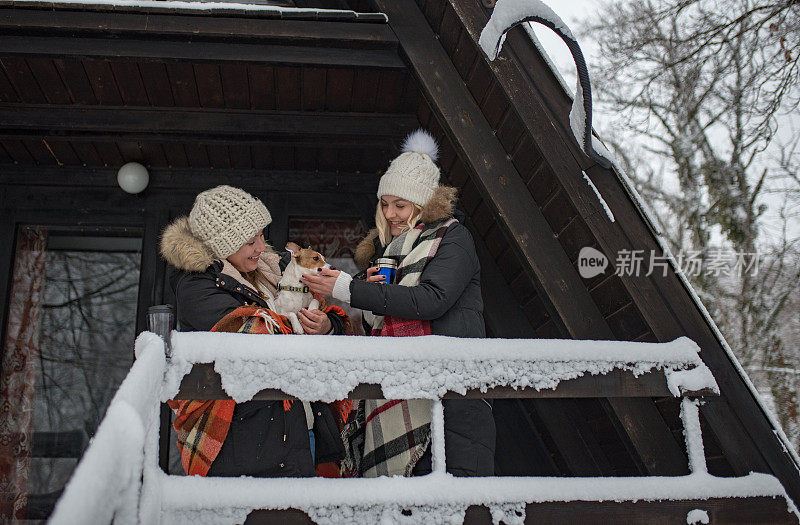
292,294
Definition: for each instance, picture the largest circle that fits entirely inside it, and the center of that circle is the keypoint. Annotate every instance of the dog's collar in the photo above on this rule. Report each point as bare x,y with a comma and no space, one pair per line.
303,289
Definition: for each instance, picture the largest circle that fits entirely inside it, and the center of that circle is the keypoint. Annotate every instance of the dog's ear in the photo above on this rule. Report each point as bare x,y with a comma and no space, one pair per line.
293,248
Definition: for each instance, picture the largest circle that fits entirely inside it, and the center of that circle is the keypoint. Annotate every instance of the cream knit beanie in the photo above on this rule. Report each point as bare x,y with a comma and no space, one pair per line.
413,175
224,218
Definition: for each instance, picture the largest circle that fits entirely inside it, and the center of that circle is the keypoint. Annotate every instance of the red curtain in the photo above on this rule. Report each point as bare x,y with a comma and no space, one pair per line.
18,373
333,239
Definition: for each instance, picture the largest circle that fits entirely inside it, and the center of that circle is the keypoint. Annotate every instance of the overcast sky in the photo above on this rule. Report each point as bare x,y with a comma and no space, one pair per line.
576,12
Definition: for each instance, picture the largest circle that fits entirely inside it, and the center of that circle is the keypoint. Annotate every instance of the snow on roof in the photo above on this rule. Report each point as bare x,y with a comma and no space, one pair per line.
327,368
512,12
509,13
210,7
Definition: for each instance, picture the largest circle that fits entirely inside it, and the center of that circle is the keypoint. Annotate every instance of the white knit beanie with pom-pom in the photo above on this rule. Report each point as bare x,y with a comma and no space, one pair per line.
413,175
224,218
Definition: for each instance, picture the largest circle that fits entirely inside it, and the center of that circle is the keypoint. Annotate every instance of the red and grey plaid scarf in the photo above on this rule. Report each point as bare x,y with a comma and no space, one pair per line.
202,425
414,249
387,438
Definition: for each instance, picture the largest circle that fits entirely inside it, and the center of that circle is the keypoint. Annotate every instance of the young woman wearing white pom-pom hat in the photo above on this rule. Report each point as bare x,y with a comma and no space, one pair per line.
436,290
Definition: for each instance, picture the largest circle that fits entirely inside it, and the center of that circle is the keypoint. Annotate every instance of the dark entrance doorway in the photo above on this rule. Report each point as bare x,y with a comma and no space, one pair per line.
69,334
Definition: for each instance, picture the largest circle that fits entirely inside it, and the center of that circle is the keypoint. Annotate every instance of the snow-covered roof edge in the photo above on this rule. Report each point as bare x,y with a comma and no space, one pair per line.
191,5
648,215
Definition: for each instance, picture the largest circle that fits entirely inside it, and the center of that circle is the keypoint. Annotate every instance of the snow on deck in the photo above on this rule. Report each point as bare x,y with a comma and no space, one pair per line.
430,366
327,368
364,500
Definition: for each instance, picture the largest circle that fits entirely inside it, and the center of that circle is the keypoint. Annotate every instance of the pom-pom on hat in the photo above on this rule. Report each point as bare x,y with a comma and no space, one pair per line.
224,218
413,175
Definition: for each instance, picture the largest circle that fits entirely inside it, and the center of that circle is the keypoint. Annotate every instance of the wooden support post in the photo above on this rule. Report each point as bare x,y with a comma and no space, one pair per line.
437,438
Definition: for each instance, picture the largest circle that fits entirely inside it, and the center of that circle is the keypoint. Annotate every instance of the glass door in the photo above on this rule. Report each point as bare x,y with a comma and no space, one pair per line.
69,344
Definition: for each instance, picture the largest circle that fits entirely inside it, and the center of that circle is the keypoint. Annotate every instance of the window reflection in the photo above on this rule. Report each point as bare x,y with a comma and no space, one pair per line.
84,319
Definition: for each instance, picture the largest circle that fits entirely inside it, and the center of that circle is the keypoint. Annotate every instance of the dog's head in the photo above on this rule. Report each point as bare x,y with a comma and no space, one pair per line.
306,257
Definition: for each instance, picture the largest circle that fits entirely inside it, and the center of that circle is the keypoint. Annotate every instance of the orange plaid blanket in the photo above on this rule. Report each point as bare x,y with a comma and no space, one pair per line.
202,425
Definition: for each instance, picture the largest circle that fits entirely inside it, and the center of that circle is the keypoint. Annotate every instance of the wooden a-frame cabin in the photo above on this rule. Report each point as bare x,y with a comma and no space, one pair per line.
305,108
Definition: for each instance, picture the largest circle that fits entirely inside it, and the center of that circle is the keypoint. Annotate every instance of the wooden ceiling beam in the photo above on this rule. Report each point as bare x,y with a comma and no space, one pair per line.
207,139
188,180
197,51
90,23
72,120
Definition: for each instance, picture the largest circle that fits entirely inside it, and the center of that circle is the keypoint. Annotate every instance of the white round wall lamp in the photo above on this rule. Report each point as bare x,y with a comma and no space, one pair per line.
133,177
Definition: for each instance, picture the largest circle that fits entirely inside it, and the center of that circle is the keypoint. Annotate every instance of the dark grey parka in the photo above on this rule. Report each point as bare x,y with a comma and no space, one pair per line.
449,296
255,444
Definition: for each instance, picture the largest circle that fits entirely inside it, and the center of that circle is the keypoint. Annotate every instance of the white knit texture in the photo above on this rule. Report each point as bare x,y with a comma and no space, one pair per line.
413,175
224,218
341,288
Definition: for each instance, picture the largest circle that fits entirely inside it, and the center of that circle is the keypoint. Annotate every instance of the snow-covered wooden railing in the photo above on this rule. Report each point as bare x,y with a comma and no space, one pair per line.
330,367
222,366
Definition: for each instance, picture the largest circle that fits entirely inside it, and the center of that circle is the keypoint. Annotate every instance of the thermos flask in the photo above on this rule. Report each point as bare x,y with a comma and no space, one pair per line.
386,267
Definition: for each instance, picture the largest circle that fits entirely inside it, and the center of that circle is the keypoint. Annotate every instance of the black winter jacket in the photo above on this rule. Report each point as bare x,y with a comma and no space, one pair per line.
449,296
263,439
205,298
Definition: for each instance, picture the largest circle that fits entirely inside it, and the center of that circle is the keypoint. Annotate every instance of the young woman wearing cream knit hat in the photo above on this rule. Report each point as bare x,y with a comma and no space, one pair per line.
219,262
436,291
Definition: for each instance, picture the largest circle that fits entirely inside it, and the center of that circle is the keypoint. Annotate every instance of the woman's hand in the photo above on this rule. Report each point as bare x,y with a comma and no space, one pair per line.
321,283
372,277
315,322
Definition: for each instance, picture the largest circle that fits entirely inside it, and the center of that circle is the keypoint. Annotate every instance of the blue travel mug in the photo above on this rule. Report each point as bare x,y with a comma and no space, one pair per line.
386,267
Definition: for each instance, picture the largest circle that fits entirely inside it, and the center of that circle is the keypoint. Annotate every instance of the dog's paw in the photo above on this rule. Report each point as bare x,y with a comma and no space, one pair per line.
295,322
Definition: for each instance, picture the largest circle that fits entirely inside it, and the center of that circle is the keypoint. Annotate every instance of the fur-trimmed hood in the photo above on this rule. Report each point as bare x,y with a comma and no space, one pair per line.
438,208
184,251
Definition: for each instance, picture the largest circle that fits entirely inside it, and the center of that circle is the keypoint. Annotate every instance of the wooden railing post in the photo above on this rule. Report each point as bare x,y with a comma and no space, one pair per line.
438,461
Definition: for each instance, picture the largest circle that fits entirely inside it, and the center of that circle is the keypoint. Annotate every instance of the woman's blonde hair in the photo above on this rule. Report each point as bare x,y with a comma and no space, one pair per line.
258,280
385,229
257,277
